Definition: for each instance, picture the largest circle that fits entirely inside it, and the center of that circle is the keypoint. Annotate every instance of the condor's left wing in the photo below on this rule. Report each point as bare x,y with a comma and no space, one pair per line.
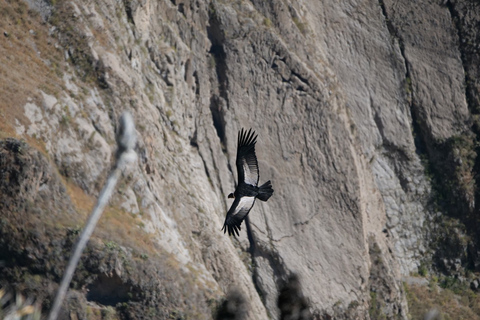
247,165
237,213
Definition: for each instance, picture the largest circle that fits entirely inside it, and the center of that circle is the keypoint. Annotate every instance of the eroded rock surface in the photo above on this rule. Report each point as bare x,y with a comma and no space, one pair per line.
351,102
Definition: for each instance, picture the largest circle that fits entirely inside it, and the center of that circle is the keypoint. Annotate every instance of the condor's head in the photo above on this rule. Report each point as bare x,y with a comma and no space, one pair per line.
231,196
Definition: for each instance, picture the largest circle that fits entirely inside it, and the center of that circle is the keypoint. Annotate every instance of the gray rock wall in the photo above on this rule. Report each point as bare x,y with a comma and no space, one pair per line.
338,92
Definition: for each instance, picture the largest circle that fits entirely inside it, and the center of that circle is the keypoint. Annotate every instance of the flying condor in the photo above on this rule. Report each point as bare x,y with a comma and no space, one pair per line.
247,189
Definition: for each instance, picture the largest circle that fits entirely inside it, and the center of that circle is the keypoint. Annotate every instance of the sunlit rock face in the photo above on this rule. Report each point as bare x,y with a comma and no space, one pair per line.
350,101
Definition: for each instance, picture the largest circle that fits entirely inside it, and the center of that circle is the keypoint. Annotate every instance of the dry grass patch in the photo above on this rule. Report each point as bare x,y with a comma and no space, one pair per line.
28,61
116,224
451,305
28,57
126,229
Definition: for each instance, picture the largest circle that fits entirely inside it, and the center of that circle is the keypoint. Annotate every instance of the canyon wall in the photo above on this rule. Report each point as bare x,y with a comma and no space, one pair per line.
366,120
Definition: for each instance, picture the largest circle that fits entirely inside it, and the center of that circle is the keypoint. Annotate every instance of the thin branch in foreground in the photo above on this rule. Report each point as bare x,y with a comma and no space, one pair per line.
126,140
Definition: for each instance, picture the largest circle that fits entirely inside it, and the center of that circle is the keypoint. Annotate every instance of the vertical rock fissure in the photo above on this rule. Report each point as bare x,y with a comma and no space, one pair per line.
218,104
218,116
251,251
462,48
266,254
390,27
251,237
419,140
447,162
218,100
129,11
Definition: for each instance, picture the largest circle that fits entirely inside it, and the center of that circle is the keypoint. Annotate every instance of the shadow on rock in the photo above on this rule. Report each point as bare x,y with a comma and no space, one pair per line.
235,307
291,302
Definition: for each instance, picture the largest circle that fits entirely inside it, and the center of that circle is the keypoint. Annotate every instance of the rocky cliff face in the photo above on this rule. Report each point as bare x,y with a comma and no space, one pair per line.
366,113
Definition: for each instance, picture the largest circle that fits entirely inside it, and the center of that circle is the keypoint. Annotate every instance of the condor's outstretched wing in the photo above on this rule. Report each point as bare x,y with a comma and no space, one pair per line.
237,213
247,165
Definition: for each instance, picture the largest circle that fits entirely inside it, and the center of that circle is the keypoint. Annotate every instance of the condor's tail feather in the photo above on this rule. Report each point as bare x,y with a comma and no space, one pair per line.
265,191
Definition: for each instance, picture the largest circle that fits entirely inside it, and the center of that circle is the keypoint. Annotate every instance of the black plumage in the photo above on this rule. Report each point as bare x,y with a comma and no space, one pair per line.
247,190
